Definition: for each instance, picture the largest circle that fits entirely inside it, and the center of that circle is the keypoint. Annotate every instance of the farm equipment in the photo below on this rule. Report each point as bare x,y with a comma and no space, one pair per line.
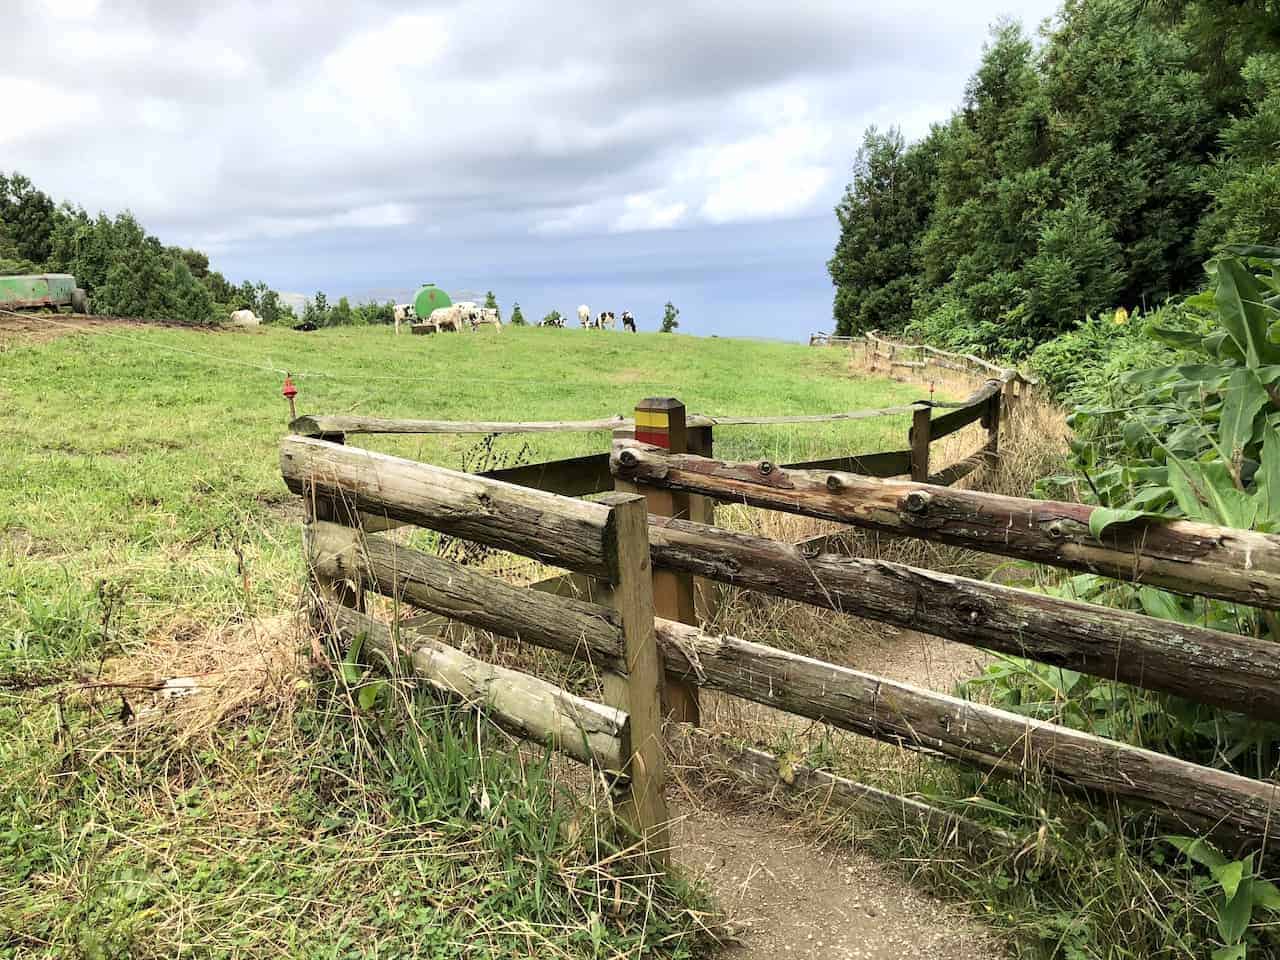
42,291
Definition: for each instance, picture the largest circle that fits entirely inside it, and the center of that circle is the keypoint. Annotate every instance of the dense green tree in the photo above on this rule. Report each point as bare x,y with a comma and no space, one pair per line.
882,214
28,216
517,318
670,315
126,271
341,315
1245,183
1073,178
317,310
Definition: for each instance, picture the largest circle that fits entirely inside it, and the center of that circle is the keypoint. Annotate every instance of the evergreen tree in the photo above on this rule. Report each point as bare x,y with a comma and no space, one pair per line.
882,214
669,318
517,318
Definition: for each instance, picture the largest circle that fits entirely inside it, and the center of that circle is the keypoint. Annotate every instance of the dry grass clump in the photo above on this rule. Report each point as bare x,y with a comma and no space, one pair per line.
189,678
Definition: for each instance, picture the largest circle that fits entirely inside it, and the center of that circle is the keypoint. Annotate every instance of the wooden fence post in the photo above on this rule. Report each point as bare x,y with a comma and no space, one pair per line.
920,437
991,420
639,693
346,592
660,421
699,440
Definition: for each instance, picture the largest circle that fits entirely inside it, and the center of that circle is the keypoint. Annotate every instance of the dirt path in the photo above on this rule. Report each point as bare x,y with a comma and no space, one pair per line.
790,899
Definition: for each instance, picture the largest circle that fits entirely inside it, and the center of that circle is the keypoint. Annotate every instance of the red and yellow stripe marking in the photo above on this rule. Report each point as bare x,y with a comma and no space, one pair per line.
653,427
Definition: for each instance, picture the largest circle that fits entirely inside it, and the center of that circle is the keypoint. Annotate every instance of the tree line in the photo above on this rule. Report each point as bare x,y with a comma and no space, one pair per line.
1094,165
126,271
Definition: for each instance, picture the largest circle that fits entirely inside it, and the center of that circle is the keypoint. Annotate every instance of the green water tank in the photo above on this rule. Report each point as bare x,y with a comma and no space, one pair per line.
429,298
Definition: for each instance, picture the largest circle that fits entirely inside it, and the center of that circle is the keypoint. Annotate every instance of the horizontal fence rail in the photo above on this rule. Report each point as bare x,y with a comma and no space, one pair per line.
1233,808
468,596
1225,669
1183,556
569,533
524,705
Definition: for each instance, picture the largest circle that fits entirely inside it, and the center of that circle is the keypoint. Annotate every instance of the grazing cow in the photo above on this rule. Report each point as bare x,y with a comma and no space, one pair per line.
584,316
628,321
402,313
481,316
610,321
245,318
449,318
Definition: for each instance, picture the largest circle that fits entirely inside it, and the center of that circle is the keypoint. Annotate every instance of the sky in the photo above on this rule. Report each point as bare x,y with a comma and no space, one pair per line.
605,153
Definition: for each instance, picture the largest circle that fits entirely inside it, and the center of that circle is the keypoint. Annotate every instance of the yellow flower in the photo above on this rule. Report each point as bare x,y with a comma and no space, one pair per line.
1122,317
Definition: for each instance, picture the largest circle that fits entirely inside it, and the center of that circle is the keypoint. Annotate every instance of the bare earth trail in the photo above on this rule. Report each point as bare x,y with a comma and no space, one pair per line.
789,897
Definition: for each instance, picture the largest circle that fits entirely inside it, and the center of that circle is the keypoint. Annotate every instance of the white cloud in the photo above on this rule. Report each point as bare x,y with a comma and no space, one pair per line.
649,211
240,120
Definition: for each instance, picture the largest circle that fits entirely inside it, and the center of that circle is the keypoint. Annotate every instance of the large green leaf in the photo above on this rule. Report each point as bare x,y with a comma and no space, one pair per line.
1206,492
1268,476
1245,399
1236,912
1200,850
1104,517
1242,312
1186,339
1253,251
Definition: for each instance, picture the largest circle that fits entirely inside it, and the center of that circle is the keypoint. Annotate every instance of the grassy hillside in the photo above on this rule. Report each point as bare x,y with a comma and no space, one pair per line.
144,531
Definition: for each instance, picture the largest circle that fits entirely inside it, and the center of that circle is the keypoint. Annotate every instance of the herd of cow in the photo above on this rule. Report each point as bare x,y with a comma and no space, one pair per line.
604,320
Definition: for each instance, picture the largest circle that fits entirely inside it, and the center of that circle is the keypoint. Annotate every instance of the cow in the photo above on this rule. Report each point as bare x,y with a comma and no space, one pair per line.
628,321
402,313
245,318
481,316
609,321
584,316
449,318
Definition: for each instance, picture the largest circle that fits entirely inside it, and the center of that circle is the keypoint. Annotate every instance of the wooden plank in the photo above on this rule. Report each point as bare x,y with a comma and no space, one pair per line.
639,693
575,534
975,408
764,772
348,592
462,594
1237,810
576,586
1180,555
663,419
894,463
963,467
706,595
315,425
1210,666
571,477
920,437
529,707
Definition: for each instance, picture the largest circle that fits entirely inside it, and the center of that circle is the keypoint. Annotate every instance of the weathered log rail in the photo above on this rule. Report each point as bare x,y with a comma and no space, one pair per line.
1183,556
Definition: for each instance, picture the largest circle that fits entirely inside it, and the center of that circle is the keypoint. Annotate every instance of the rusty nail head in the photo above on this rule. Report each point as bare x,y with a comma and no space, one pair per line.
766,467
627,458
833,483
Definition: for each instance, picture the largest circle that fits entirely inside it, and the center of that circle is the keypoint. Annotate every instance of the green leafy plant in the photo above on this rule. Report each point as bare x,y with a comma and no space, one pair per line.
1236,893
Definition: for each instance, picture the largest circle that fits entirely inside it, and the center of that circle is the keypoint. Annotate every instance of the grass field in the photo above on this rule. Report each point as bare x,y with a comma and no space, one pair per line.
143,523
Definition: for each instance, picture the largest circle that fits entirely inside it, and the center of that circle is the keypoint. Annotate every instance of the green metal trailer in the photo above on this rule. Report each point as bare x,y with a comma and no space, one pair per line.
43,290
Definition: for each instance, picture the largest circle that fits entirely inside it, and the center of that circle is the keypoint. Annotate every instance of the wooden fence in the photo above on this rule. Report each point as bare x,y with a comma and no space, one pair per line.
650,658
342,486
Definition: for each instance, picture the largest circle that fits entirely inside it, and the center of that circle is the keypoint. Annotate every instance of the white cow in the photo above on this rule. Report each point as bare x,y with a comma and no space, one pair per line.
584,316
402,313
245,318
